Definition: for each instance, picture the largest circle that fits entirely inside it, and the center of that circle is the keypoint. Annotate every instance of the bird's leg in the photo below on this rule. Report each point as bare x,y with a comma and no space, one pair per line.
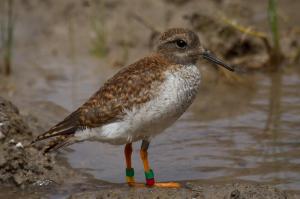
149,173
144,156
129,169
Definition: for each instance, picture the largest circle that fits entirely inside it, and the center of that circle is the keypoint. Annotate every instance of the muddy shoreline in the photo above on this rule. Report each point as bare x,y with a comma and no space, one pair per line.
23,167
191,190
23,164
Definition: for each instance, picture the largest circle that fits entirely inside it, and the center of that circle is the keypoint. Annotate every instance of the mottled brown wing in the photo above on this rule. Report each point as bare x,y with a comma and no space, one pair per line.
132,86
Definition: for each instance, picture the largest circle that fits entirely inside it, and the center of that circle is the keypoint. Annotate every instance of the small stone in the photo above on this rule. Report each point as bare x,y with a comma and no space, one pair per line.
19,145
12,141
45,182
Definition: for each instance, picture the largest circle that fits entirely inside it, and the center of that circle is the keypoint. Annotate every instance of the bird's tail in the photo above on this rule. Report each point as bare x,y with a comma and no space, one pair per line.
59,142
62,134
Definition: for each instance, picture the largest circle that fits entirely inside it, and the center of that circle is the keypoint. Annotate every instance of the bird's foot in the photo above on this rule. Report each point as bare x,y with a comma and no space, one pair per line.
150,182
167,185
157,184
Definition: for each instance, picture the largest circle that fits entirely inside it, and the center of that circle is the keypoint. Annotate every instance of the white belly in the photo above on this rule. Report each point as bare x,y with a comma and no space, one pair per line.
174,97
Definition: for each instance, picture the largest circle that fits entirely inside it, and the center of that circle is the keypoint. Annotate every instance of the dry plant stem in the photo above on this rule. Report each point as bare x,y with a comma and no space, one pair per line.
9,29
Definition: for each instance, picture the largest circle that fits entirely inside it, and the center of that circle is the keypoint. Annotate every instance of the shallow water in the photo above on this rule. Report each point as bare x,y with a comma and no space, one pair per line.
242,131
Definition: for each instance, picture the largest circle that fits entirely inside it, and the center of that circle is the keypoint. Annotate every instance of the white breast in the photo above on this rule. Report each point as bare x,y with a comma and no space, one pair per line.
174,97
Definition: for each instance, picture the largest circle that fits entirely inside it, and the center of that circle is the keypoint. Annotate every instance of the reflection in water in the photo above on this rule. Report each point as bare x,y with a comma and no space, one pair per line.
230,133
273,121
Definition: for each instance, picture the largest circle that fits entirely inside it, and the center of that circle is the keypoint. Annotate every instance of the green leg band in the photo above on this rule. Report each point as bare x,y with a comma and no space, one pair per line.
149,174
129,172
130,175
149,178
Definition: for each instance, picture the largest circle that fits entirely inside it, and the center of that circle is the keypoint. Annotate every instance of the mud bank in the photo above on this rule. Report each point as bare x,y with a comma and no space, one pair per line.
21,164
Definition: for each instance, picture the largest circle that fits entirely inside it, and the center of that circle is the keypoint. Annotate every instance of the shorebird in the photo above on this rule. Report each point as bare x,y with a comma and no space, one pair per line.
140,101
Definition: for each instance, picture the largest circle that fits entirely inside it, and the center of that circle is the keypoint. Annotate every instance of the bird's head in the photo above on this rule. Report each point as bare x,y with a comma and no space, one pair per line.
183,46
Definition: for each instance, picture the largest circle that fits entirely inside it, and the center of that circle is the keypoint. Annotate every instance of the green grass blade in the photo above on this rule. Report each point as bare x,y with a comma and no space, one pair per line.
273,20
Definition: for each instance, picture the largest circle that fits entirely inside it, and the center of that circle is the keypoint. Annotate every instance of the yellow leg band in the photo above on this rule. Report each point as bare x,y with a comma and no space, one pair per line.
130,179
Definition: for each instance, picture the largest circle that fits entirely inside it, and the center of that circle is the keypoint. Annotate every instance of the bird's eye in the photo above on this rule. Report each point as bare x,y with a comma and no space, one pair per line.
181,43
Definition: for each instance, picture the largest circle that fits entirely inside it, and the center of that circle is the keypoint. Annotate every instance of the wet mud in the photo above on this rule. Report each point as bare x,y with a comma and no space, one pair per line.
191,190
23,164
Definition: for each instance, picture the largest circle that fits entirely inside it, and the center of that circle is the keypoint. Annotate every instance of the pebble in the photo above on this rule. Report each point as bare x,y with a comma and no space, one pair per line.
12,141
19,145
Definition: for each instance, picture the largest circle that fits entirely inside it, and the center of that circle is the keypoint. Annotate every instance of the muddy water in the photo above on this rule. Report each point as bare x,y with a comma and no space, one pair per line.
239,131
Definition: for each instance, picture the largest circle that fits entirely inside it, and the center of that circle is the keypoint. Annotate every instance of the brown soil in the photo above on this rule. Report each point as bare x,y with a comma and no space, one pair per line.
21,164
192,190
